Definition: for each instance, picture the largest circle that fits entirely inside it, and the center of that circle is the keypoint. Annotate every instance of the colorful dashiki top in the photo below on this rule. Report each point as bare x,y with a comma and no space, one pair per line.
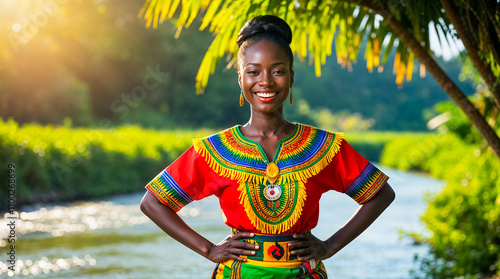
310,162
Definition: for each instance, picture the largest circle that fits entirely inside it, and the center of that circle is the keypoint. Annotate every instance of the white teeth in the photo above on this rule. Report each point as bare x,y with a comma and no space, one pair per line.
266,95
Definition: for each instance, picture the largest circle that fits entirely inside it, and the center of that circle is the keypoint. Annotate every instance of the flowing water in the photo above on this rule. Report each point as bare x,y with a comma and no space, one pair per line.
113,239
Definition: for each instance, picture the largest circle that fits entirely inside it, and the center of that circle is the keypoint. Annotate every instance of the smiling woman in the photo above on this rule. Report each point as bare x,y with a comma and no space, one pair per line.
268,174
265,62
265,77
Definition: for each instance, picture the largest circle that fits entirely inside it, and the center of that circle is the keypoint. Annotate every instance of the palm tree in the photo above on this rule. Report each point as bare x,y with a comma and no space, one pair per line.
382,24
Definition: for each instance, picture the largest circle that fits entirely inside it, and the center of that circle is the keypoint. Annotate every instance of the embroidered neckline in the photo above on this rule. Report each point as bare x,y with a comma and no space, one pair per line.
281,143
299,156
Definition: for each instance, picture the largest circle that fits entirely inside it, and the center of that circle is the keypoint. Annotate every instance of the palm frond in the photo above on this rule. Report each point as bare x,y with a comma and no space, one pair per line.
317,27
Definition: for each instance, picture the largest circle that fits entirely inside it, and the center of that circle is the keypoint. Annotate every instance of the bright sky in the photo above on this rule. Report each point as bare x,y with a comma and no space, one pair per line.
445,50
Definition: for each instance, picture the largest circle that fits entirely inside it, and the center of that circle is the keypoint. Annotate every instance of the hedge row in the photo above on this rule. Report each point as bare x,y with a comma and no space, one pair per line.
61,163
371,144
463,218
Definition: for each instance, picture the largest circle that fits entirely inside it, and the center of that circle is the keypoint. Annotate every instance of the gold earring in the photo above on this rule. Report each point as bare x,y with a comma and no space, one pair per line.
291,97
241,99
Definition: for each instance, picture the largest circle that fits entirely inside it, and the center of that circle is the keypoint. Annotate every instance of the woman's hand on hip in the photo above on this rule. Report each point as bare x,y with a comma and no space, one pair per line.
308,247
231,248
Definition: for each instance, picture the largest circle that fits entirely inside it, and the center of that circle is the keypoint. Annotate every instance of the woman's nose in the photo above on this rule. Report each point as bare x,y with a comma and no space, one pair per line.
265,79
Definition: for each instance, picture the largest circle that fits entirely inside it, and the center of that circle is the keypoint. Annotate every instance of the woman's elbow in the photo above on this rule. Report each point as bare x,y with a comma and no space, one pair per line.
146,204
385,196
389,194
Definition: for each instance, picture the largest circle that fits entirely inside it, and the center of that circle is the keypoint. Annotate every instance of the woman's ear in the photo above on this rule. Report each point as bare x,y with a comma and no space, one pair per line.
291,78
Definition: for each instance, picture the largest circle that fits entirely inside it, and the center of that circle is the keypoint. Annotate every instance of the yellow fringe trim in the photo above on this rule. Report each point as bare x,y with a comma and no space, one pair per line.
300,173
228,169
305,172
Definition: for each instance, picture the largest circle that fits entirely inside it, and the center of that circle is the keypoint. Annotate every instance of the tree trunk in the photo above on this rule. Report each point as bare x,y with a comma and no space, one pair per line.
441,77
472,48
490,12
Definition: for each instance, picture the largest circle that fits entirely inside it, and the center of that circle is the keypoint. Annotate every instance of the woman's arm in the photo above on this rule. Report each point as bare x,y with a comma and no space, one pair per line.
309,247
168,220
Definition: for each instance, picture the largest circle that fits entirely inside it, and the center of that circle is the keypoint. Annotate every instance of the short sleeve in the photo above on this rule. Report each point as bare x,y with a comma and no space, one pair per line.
352,174
188,178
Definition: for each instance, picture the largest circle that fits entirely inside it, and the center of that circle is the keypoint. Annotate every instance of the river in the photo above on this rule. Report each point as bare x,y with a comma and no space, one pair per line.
111,238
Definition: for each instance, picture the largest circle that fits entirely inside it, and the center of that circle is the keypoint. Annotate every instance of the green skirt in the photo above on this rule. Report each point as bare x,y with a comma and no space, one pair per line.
237,270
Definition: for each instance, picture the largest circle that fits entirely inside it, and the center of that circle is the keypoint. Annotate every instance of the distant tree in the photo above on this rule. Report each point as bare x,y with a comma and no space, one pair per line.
383,25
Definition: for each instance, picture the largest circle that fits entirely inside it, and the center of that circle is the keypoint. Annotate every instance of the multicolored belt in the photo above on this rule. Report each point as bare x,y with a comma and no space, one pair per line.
272,260
273,251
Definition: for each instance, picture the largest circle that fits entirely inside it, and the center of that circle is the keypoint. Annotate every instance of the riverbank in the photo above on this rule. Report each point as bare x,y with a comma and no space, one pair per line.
463,218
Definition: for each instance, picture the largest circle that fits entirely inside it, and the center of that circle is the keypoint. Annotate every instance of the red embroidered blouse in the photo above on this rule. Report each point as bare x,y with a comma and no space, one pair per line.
310,161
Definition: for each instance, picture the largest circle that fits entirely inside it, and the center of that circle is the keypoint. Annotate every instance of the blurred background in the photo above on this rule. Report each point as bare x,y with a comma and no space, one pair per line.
87,60
93,105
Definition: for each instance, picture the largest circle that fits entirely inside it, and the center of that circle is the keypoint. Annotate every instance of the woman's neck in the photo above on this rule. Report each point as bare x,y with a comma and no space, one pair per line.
267,125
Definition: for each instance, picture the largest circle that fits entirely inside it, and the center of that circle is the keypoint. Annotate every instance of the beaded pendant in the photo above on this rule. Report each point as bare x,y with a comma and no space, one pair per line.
272,192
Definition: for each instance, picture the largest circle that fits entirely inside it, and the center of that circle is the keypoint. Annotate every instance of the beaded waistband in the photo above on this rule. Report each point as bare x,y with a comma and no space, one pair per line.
273,250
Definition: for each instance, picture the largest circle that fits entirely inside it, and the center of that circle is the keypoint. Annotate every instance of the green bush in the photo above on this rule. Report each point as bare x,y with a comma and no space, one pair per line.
60,163
371,144
464,218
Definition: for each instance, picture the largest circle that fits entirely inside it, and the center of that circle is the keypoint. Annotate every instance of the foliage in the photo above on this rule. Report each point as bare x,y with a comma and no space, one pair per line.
343,120
483,24
458,122
463,218
89,61
483,100
315,25
373,96
62,163
371,144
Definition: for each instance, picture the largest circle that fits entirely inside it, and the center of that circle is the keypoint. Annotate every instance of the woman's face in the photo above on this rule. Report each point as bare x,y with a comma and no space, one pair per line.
265,76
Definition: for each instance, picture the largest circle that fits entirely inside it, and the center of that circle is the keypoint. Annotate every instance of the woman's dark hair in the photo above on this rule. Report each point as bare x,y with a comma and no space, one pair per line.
266,28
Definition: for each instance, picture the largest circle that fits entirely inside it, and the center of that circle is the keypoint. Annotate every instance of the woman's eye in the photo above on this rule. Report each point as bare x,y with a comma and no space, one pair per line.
279,72
252,72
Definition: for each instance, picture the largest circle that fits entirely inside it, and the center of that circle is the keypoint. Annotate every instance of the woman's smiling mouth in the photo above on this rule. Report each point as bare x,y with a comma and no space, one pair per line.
265,96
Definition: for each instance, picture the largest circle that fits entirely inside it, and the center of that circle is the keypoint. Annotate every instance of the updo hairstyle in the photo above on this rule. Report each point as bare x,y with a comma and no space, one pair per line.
265,28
